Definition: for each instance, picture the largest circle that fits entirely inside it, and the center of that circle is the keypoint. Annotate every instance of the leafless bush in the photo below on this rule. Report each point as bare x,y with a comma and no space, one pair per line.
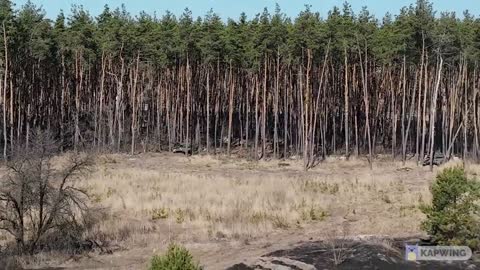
338,243
39,197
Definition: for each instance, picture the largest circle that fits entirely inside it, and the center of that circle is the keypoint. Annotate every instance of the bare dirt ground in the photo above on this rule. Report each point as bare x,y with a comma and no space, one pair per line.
228,211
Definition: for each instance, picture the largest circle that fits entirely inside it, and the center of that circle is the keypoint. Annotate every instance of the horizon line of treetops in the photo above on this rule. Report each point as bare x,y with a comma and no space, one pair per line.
269,86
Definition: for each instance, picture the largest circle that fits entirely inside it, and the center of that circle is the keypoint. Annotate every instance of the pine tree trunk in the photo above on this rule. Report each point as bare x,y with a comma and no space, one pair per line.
420,81
275,108
208,110
264,111
100,113
78,85
134,108
394,116
5,78
366,103
230,110
317,103
424,111
285,118
12,111
475,112
256,118
433,113
404,96
188,105
346,94
465,113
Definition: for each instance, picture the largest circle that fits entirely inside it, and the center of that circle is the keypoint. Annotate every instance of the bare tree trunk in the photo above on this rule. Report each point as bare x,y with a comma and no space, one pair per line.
188,105
317,103
208,110
393,110
420,81
5,77
134,108
475,112
168,115
364,71
285,118
118,103
217,108
256,119
275,108
433,112
424,111
12,111
247,118
307,101
78,85
27,135
62,105
404,96
230,109
346,94
102,89
409,119
465,113
264,111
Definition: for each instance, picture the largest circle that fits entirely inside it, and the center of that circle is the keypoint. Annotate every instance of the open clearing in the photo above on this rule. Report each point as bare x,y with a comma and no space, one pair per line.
228,211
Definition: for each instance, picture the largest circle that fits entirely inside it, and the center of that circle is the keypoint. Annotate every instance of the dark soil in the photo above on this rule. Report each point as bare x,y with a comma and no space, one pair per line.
357,254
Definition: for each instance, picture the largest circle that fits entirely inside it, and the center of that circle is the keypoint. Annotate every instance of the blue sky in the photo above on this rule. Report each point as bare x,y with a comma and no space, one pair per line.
232,8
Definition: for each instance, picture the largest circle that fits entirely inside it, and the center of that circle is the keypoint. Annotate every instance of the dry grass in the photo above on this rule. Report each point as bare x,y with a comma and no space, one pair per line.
210,198
153,199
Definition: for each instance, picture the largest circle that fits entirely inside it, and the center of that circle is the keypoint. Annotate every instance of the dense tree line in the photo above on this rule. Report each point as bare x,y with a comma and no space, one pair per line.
269,85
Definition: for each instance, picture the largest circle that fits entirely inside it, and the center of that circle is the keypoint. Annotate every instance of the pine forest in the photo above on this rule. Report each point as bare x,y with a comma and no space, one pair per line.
268,86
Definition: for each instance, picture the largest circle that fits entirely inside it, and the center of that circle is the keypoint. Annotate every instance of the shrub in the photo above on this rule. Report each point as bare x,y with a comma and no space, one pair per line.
176,258
39,197
453,217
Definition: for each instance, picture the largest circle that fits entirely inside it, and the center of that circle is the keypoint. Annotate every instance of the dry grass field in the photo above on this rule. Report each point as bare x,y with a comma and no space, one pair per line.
228,210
